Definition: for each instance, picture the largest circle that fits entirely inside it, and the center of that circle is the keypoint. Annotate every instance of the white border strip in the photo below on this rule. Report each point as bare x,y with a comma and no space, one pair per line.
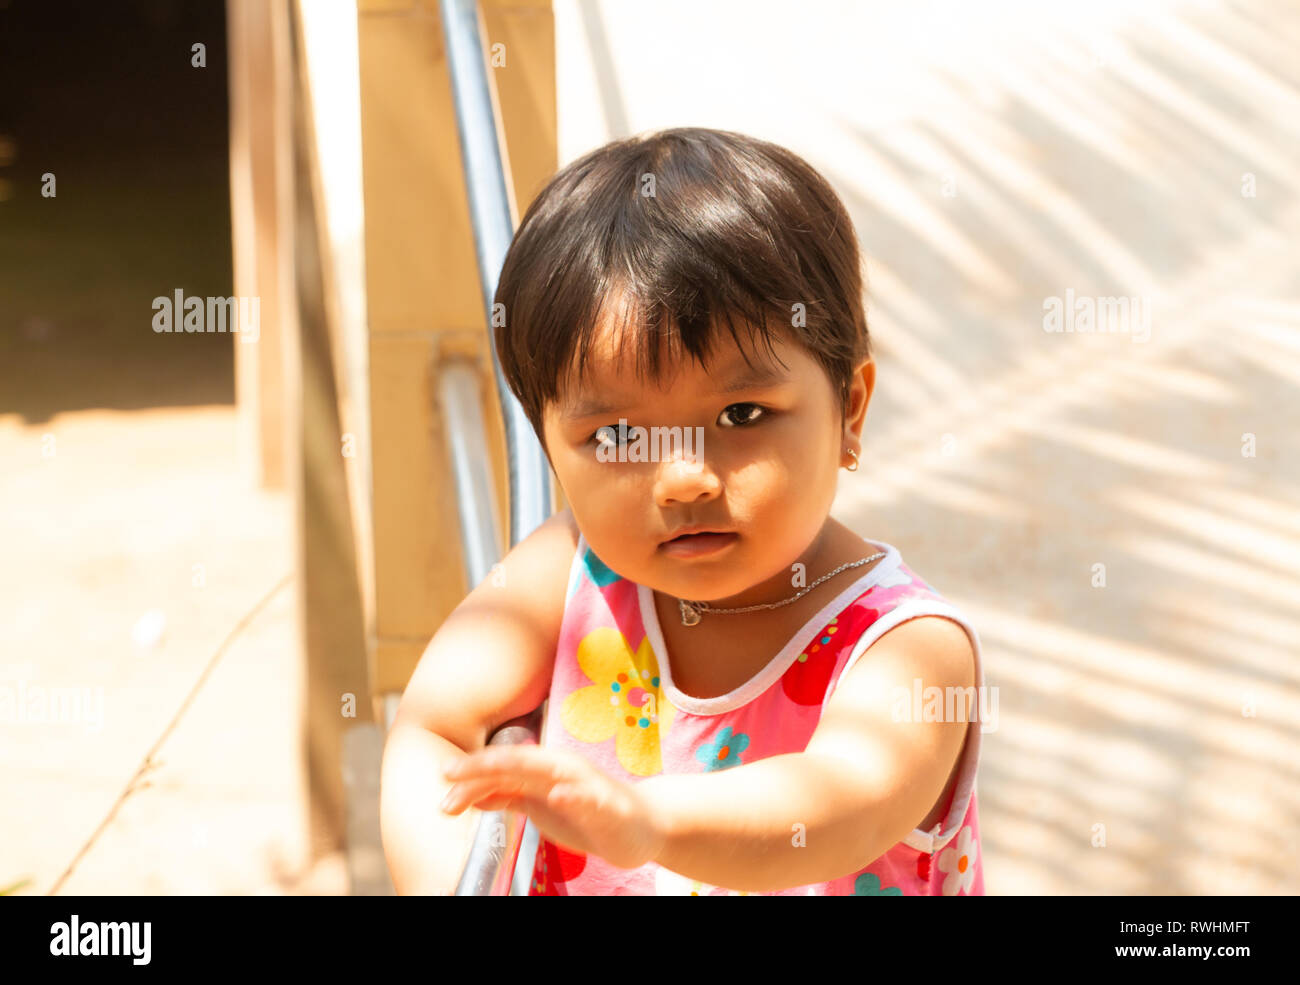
931,841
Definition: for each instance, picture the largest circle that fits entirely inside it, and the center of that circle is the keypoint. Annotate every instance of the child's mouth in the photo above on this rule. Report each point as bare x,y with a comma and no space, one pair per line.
697,545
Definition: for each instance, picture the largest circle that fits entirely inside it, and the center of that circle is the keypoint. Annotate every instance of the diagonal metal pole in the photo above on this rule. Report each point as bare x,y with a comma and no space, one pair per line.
494,228
501,837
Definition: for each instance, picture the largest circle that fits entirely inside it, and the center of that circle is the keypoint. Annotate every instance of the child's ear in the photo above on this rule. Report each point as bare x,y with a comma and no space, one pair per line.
861,386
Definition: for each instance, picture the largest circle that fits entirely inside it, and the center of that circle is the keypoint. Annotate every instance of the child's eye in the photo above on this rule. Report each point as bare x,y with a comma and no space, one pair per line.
606,435
750,414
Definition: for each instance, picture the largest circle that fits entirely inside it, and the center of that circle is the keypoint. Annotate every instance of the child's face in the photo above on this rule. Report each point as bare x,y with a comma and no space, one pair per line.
767,472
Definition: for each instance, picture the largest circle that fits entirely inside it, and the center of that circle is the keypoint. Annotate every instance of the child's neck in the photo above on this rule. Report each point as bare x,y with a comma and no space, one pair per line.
827,544
725,650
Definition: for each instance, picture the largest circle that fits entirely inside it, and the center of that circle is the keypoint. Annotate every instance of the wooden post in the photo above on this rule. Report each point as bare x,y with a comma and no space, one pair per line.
368,607
260,230
423,295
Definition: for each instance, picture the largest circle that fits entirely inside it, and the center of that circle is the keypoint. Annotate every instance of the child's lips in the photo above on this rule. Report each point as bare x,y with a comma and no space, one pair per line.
697,545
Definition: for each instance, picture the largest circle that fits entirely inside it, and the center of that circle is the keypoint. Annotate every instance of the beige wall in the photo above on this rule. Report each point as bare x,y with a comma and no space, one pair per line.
424,299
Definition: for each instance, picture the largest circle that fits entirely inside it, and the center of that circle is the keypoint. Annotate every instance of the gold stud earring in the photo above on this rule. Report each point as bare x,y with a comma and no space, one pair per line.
854,466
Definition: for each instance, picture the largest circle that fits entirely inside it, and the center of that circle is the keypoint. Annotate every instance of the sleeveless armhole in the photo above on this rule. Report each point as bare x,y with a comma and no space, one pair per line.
575,568
575,576
943,832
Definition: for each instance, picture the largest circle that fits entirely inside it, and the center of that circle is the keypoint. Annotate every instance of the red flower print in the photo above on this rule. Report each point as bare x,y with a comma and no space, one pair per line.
806,681
555,865
569,864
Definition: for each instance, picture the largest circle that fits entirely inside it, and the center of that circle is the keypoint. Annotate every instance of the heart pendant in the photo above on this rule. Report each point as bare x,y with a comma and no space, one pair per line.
690,616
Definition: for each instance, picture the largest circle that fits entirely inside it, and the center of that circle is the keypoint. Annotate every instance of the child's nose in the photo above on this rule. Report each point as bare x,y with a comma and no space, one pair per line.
683,479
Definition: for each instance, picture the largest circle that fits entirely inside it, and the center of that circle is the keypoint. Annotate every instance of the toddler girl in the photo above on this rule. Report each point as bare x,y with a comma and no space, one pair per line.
741,695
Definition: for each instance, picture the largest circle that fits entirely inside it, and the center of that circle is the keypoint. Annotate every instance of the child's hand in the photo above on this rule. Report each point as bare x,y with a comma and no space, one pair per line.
569,800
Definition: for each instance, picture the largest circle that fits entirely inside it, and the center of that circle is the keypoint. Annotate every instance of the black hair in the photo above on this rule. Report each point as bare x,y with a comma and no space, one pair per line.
696,229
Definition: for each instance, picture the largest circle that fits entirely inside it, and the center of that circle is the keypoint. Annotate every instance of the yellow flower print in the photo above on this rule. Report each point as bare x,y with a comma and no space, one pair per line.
623,699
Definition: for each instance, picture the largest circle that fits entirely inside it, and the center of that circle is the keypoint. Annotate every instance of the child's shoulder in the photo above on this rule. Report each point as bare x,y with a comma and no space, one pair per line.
898,603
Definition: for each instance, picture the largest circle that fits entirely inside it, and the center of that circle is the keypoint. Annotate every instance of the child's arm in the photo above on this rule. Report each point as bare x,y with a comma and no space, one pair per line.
426,850
862,785
489,662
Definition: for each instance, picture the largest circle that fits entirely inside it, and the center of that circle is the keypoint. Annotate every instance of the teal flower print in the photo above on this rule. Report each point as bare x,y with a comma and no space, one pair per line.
724,751
868,884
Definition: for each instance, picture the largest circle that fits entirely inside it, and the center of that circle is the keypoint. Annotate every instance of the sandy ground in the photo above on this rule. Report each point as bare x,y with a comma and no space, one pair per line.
1148,726
134,551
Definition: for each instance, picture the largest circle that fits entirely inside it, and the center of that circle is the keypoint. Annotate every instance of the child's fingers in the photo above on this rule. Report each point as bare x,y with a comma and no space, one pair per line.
534,762
471,793
499,802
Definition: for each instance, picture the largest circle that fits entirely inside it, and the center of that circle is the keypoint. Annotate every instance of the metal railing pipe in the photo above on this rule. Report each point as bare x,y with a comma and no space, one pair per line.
476,499
490,870
489,207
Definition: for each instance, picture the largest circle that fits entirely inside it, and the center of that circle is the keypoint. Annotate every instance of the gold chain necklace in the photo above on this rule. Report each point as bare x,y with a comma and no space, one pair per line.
691,611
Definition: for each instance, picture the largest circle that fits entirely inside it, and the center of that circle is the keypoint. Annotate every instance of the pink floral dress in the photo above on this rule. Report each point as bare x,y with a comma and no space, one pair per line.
612,700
